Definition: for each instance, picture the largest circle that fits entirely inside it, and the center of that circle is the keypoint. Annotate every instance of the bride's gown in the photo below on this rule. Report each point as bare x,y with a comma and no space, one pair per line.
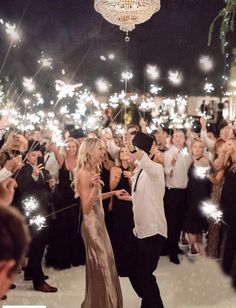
102,282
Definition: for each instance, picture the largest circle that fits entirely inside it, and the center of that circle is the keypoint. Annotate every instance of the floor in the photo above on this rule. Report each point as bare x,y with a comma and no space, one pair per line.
193,284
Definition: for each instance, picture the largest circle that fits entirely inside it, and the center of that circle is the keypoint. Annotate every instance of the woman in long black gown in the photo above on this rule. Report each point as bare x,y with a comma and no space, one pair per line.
66,246
122,214
107,164
228,204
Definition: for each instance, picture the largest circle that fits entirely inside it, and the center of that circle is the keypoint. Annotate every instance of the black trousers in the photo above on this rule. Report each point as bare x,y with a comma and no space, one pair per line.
229,253
145,255
35,256
175,205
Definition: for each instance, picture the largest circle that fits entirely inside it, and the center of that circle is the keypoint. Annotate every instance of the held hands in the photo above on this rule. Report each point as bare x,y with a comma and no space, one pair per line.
123,195
7,190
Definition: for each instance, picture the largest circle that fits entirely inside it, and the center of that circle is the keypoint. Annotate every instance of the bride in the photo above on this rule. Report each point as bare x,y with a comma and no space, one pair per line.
102,282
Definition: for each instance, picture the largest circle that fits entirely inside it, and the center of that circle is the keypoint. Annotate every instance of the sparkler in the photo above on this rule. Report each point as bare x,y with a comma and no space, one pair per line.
211,211
184,151
30,204
208,87
155,89
202,172
102,85
152,72
39,221
206,63
126,75
175,77
12,32
28,84
45,62
65,89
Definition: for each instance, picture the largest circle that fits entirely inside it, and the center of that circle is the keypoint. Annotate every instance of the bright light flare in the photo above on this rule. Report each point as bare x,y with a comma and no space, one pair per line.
175,77
152,72
30,204
102,85
12,32
28,84
206,63
39,221
202,172
127,75
208,87
211,211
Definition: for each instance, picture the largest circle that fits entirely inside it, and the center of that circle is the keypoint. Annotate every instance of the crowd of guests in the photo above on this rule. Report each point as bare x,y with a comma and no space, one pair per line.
196,168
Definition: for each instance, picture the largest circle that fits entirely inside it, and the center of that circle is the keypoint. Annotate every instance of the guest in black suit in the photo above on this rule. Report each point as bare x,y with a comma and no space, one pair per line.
34,181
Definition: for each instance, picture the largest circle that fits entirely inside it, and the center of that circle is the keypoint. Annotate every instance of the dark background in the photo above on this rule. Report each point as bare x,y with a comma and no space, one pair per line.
75,35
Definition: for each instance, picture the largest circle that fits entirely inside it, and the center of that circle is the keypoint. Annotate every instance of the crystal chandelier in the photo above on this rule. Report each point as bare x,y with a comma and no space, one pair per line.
127,13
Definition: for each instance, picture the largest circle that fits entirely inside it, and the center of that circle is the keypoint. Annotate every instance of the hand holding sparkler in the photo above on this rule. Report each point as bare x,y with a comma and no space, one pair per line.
7,189
14,164
203,123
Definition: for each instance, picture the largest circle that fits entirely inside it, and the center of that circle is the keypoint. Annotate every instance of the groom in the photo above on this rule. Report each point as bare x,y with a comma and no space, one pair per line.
150,230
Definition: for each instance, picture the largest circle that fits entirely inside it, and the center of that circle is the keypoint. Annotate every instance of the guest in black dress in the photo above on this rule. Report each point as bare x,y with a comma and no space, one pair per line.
122,214
66,247
228,204
198,190
107,164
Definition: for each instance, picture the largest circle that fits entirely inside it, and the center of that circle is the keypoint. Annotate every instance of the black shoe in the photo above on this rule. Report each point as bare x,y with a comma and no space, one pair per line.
175,260
12,286
28,278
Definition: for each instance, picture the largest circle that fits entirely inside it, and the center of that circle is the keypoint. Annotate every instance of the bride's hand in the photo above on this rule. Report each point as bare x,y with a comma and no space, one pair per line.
95,180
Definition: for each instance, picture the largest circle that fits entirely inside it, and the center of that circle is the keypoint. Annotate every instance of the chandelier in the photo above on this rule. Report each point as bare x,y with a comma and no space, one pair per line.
127,13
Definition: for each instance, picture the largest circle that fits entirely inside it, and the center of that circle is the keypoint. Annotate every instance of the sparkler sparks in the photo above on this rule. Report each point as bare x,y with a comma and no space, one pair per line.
102,85
211,211
206,63
45,62
152,72
12,32
155,89
65,89
127,75
208,87
175,77
201,172
39,221
30,204
28,84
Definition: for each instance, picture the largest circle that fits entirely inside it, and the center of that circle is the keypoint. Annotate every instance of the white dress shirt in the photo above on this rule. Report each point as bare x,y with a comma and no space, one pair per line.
176,175
52,165
148,208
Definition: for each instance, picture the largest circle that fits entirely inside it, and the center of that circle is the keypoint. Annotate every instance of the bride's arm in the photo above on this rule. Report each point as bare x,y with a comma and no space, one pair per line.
87,194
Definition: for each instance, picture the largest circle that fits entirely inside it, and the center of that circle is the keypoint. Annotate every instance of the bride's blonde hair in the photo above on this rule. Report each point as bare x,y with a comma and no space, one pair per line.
84,159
